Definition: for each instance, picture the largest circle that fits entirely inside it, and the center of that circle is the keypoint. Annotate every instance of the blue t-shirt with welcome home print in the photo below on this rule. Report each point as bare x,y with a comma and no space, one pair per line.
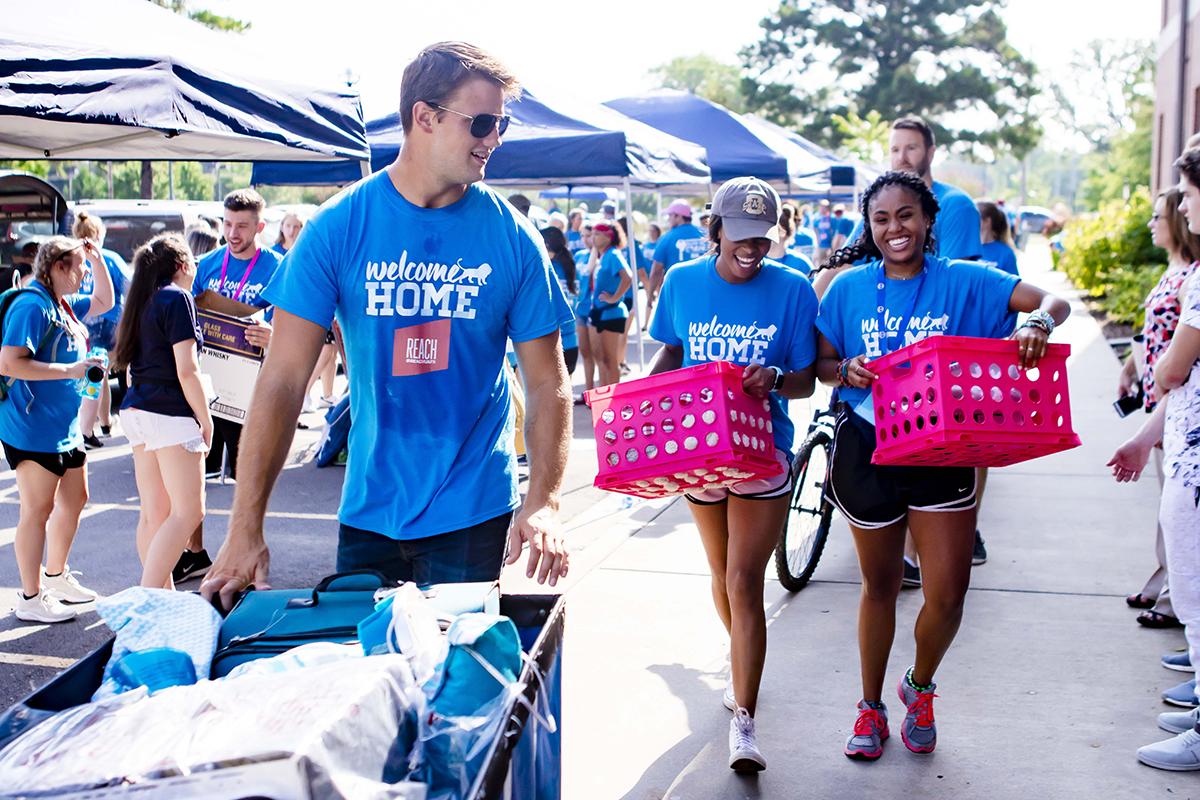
43,416
681,243
426,299
208,275
956,298
768,320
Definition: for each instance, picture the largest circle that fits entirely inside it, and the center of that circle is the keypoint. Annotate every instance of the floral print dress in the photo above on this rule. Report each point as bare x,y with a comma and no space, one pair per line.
1163,307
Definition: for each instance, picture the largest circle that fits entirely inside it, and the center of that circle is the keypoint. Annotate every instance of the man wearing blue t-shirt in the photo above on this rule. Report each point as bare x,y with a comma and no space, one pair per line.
230,280
430,493
843,226
956,229
683,242
825,228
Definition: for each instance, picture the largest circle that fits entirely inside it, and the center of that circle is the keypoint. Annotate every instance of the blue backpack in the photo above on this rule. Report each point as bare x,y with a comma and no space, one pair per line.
6,300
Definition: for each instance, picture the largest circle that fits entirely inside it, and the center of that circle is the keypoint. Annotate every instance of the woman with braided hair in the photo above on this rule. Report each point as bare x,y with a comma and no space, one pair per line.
902,294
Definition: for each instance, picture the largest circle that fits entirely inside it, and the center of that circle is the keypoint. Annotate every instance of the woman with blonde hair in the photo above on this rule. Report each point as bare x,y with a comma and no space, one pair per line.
43,356
101,328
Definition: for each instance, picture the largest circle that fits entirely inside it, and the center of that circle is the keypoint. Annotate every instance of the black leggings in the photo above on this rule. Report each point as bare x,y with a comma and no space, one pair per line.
226,436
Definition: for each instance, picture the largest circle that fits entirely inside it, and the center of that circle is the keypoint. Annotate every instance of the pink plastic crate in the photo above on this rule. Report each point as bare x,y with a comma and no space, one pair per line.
960,401
692,428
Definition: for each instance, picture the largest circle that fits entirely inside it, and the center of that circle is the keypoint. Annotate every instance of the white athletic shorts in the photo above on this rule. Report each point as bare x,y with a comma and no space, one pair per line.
157,431
765,489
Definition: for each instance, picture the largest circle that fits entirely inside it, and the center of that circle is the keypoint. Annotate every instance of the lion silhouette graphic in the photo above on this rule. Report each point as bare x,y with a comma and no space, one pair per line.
479,274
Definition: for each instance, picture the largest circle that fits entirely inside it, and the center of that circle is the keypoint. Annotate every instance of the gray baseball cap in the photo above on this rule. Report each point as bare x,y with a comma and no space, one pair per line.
748,208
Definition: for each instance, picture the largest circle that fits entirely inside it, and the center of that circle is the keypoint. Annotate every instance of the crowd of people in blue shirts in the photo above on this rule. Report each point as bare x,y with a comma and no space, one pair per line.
427,314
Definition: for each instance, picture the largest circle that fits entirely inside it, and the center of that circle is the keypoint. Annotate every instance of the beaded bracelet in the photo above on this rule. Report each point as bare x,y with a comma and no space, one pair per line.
1041,320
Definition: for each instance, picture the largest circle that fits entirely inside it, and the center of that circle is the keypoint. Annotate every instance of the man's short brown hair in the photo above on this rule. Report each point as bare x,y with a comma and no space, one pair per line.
245,200
440,69
1189,165
912,123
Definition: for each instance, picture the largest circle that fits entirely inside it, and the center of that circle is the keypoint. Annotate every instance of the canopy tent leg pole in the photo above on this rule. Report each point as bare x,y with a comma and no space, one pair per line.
170,180
637,283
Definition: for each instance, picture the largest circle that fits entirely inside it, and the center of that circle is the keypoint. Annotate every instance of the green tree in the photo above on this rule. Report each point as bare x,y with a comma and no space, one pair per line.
704,76
865,138
39,168
935,58
204,17
1109,104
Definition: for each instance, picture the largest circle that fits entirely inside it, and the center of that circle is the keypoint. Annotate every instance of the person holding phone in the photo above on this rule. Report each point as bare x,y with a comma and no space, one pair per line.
1169,231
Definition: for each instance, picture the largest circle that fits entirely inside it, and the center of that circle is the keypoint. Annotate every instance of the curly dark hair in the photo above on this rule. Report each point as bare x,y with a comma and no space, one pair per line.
864,246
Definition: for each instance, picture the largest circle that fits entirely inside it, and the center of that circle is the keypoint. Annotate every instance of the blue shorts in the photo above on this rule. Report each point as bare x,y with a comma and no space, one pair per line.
470,555
101,332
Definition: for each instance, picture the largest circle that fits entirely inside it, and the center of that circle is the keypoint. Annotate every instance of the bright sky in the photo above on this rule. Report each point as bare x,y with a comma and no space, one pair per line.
592,51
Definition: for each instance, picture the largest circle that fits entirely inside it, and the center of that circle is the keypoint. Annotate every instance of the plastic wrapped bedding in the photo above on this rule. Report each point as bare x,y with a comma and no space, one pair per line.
339,719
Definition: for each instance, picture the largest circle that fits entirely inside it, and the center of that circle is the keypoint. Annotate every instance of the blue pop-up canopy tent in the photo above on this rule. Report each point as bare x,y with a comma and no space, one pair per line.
858,174
734,148
74,84
546,145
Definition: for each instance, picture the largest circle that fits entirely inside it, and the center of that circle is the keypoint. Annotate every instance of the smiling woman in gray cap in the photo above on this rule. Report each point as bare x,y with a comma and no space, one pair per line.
733,305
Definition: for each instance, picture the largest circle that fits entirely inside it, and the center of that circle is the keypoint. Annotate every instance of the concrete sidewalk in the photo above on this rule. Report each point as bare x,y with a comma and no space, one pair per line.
1047,692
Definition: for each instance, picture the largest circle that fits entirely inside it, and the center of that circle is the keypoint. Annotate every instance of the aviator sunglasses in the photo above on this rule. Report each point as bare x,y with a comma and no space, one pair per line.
481,124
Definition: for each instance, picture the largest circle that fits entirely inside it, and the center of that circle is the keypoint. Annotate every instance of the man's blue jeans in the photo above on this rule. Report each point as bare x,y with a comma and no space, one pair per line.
470,555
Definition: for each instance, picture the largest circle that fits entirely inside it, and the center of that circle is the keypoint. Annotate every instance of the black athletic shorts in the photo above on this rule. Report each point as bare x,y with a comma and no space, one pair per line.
875,496
603,325
58,463
628,301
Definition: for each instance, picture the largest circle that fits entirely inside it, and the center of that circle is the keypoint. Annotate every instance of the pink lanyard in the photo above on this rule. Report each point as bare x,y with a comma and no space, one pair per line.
225,266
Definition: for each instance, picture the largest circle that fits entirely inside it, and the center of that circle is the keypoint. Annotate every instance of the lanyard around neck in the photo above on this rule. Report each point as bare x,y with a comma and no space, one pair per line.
225,266
881,309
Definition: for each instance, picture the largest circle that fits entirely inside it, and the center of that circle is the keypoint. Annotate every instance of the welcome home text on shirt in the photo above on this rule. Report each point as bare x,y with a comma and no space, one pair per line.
406,288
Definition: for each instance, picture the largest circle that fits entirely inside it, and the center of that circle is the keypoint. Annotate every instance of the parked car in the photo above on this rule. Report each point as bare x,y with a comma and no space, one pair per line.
132,223
31,211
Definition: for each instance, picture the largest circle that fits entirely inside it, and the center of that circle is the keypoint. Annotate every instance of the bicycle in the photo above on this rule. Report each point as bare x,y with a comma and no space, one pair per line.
810,512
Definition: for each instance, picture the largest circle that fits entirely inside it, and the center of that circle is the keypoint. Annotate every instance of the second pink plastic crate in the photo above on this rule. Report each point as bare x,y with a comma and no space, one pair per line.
962,401
688,429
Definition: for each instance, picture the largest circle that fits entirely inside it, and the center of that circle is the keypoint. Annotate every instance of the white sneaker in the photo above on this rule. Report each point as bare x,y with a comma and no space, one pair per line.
743,749
308,404
1181,754
65,588
729,700
42,608
325,402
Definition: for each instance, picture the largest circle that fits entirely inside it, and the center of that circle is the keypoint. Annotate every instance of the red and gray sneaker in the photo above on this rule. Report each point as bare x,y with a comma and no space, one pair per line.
870,729
918,731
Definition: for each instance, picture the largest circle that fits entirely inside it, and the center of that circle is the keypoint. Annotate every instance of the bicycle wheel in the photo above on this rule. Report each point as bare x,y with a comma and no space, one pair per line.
807,525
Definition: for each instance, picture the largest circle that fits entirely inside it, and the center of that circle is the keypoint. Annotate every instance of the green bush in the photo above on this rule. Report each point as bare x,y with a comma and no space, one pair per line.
1110,256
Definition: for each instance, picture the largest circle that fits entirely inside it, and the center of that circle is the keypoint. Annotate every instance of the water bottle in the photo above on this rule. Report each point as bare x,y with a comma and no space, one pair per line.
89,385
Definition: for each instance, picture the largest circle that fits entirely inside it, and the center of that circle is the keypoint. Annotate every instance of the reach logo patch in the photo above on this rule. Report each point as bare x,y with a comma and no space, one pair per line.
421,348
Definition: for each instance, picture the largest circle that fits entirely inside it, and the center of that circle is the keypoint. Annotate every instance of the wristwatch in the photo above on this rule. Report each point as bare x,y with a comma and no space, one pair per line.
778,379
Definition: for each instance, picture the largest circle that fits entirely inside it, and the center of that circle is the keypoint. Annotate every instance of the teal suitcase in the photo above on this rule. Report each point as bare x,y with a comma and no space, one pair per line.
265,624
